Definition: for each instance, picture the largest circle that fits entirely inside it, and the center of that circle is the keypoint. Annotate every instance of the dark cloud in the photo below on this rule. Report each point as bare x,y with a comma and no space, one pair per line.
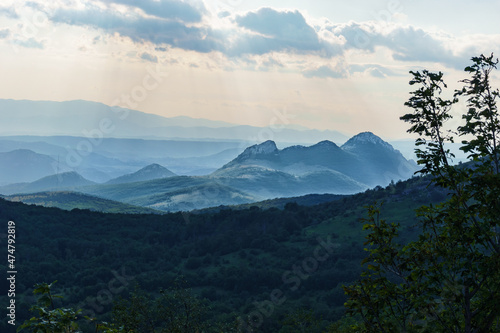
168,9
149,57
141,29
286,26
407,43
259,32
272,30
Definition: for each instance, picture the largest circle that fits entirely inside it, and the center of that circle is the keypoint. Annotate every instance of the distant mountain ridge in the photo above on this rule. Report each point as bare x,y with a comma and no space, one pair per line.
77,117
24,165
365,160
260,172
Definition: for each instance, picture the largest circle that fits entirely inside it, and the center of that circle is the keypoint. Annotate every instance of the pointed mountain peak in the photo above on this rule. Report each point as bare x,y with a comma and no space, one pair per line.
152,167
265,148
363,139
149,172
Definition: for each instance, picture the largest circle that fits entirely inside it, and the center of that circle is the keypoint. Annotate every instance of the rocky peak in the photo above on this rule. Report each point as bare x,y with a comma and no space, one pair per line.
265,148
365,138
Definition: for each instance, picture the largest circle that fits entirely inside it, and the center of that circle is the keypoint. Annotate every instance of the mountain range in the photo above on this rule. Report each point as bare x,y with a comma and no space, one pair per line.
260,172
95,120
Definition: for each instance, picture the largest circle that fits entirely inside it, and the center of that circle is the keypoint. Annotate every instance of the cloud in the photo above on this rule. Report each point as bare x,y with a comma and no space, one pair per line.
257,33
149,57
407,43
4,33
286,26
141,29
30,43
374,70
324,72
9,12
269,30
168,9
271,62
265,32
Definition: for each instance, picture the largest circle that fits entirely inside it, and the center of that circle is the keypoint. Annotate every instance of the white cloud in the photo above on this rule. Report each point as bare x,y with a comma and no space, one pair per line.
326,71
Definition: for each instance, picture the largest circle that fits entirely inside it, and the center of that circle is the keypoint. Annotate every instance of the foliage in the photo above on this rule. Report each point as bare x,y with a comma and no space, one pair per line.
175,310
301,321
449,279
50,319
59,320
240,255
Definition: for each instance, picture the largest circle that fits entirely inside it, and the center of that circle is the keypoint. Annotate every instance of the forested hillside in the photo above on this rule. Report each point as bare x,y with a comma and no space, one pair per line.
233,258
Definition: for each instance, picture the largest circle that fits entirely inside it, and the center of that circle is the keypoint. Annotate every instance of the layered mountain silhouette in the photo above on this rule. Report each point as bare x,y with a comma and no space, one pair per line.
24,165
260,172
363,161
25,117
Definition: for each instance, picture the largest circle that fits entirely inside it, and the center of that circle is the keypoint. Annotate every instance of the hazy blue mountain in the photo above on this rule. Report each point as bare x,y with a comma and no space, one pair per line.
296,160
58,182
266,171
110,158
10,143
24,165
99,167
127,150
197,166
380,162
92,119
259,172
363,161
150,172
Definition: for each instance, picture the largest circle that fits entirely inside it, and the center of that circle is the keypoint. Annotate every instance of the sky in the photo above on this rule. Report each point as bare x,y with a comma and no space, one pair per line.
328,65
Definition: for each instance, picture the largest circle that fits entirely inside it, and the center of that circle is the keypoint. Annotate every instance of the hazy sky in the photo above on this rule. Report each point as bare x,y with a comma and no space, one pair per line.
325,64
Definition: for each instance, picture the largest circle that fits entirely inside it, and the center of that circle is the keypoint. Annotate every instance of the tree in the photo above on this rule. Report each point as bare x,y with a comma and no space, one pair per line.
175,310
449,279
49,319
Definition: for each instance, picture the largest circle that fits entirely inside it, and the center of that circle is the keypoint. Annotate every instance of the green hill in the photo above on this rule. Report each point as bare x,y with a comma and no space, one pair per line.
234,258
71,200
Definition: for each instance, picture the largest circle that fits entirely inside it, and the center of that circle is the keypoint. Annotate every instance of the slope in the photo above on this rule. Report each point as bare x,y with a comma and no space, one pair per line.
23,165
63,181
150,172
71,200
